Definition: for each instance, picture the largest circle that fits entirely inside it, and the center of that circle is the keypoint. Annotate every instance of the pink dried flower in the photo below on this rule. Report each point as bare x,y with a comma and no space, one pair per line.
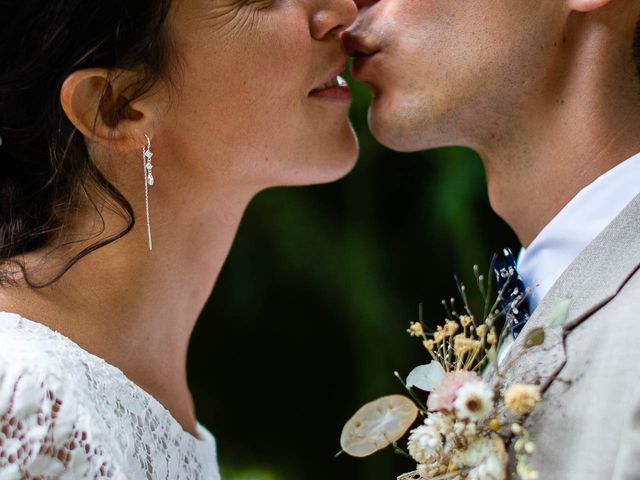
444,395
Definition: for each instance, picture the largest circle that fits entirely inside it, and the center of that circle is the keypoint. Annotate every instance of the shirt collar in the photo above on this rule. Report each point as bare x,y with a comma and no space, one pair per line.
580,221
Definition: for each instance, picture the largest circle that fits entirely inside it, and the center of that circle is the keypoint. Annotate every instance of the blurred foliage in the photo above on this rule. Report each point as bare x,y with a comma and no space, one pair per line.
308,319
240,473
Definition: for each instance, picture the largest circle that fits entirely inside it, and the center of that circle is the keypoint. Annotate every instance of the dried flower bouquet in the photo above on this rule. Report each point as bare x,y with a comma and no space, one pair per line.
460,435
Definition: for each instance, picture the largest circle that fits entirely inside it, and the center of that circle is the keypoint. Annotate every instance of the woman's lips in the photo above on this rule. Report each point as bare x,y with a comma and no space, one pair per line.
337,90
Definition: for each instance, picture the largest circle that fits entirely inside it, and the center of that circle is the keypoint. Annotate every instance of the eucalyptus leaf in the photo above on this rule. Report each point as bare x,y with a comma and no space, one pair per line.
559,313
534,338
426,377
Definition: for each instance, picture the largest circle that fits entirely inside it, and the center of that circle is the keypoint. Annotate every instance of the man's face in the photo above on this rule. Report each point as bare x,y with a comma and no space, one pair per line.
448,72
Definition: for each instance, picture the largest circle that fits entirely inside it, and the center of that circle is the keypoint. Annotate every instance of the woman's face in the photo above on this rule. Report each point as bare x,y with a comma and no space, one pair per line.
250,100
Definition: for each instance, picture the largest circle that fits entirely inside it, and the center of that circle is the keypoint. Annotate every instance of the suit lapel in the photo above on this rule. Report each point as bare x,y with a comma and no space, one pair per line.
590,282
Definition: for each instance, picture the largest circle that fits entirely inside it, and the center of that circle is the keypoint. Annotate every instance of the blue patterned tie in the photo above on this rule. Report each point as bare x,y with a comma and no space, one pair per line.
513,301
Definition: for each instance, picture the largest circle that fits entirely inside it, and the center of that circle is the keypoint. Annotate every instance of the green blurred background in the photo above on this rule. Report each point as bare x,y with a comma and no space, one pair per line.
308,319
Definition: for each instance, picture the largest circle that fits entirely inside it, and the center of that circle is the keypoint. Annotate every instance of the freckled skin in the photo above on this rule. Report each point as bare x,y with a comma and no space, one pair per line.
245,71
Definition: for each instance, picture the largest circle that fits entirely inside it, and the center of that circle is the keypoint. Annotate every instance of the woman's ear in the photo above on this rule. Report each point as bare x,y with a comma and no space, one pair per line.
95,100
587,5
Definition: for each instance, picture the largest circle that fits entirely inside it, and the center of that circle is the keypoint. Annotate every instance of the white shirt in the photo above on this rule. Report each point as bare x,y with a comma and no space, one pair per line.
581,220
68,414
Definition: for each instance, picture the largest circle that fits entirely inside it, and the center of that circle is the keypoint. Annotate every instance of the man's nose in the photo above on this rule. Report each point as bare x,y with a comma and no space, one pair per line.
351,34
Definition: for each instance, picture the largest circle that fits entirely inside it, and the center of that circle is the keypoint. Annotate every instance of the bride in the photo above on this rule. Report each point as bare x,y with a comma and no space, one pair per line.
133,136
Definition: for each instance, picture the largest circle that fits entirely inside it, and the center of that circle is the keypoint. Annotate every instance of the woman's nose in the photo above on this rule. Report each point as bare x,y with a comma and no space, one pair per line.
332,17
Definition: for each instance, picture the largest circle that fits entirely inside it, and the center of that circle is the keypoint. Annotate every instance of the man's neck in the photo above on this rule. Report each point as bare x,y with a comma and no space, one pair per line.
528,197
586,123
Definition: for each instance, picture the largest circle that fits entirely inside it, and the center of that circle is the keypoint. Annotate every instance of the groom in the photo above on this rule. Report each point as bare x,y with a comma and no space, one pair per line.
548,93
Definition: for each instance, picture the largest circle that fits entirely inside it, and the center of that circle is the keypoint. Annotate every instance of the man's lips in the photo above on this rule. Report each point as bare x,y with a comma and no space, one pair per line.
359,64
356,45
360,49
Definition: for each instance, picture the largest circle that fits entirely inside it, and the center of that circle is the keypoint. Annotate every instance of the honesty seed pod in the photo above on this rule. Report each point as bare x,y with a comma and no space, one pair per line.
377,425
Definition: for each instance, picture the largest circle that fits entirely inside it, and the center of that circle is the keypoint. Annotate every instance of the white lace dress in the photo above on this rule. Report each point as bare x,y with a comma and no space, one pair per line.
67,414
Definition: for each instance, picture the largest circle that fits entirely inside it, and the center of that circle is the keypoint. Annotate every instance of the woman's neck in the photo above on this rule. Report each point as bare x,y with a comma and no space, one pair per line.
136,308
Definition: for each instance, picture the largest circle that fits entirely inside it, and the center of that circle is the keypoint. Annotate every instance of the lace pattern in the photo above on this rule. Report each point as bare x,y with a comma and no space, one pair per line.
65,413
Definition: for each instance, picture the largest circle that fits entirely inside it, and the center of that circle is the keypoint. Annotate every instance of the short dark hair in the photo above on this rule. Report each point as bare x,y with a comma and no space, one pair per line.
44,164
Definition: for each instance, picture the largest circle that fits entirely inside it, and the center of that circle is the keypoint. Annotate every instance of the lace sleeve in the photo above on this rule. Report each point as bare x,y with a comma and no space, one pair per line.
44,432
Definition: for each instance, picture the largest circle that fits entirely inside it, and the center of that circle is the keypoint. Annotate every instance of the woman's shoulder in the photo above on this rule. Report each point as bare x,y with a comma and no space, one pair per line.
36,356
46,426
54,389
34,351
24,341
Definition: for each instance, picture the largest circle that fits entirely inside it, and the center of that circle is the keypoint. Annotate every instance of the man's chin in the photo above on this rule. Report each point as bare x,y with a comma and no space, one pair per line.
393,131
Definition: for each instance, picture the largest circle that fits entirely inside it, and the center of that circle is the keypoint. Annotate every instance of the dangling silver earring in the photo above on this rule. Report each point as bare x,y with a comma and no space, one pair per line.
148,181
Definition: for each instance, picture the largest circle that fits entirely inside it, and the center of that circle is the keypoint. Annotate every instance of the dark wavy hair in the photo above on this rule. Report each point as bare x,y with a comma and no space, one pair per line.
44,164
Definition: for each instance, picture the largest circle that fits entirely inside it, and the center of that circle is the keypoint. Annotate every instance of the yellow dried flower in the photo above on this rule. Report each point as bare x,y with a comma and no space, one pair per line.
495,425
466,320
453,468
450,328
462,344
492,338
522,399
415,329
482,330
429,345
438,336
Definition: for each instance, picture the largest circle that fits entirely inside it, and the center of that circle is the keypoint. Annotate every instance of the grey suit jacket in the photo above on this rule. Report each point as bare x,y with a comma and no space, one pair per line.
588,423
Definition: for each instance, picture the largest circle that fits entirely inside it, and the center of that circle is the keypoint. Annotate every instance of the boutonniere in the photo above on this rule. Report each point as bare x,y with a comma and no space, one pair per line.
458,435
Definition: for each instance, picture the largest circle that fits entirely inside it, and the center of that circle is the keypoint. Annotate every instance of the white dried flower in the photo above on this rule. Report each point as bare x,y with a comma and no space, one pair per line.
474,400
427,442
471,430
441,422
526,471
490,469
486,457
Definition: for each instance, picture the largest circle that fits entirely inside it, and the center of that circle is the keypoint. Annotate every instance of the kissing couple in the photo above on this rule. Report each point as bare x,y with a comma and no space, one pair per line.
135,134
